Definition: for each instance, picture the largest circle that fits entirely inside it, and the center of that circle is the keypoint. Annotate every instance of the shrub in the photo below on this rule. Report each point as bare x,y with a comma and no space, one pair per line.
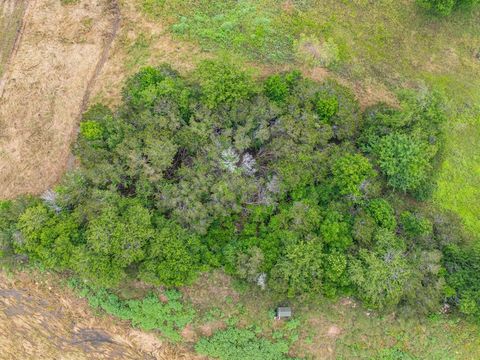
47,237
91,130
326,106
299,271
172,256
168,317
445,7
241,344
404,160
382,213
380,276
415,226
463,277
223,83
350,172
276,88
147,87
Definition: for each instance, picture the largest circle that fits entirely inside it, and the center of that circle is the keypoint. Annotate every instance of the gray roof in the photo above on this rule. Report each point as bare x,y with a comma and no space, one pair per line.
284,311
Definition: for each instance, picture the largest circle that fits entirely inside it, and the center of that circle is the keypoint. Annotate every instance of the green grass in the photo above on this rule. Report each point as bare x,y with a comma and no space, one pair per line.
458,184
363,334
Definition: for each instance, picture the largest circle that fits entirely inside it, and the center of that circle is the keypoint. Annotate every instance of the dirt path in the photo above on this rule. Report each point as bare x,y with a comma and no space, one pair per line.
39,320
11,28
47,86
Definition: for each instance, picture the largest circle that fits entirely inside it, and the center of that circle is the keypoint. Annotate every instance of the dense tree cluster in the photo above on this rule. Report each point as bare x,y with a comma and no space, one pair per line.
285,183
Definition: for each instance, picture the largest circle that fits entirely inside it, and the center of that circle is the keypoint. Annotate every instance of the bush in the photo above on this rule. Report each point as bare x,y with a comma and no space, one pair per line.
47,237
404,160
172,256
463,277
300,271
277,87
241,344
414,226
223,83
168,317
350,173
382,213
445,7
380,275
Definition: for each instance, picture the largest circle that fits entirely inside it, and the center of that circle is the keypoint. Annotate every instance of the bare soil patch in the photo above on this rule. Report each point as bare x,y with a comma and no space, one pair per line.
46,86
38,320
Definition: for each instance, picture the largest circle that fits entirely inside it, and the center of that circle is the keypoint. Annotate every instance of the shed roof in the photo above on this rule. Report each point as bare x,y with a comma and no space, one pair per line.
284,311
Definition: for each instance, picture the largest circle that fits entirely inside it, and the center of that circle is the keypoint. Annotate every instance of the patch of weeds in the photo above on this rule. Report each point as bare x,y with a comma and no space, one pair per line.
69,2
314,52
168,317
138,52
241,344
242,27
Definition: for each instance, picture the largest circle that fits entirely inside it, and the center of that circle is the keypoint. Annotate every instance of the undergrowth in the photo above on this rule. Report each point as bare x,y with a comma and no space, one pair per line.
168,317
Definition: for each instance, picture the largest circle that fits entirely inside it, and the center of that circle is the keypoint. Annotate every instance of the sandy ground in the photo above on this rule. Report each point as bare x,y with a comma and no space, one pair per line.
39,320
45,86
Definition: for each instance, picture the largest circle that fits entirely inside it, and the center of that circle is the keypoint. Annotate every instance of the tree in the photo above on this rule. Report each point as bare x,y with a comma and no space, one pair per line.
300,270
121,231
350,173
463,277
173,256
47,237
404,160
223,83
382,213
380,275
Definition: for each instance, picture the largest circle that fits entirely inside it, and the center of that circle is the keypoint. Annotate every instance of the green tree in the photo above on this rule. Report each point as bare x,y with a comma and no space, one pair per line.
380,275
223,83
300,270
47,237
382,213
173,256
350,172
404,160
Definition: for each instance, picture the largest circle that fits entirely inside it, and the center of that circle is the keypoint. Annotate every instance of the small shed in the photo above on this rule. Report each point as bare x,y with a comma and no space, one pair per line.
283,312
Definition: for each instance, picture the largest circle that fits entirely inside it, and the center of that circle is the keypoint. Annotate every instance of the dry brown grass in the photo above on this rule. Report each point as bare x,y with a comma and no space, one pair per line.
45,85
39,320
125,59
11,14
